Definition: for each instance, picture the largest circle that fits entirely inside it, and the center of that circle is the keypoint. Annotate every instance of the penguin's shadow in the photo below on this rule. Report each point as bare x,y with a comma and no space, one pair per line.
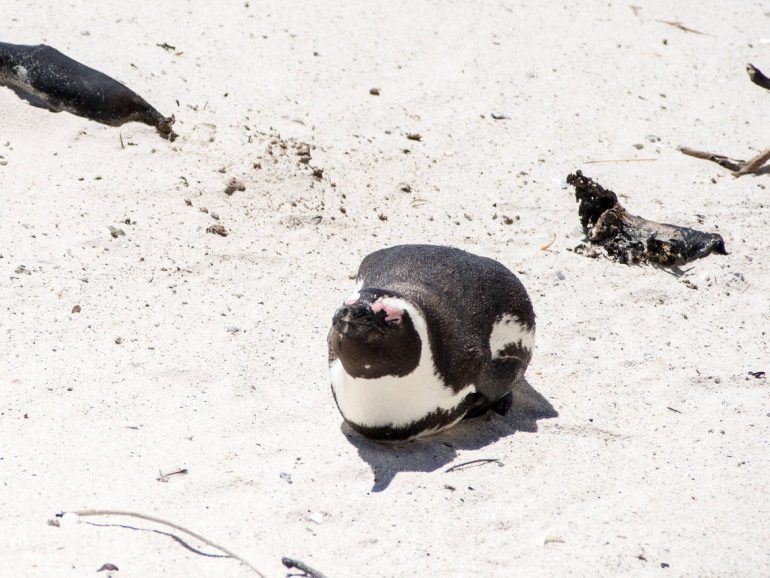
433,452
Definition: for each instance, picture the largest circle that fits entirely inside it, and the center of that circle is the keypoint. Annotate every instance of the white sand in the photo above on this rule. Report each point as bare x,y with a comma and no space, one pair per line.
622,483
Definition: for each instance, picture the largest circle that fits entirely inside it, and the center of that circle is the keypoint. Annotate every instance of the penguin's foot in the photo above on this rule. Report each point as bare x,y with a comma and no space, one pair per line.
503,405
479,406
500,406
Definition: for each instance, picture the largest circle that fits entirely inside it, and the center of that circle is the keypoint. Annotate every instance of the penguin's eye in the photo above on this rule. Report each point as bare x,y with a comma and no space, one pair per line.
393,319
393,314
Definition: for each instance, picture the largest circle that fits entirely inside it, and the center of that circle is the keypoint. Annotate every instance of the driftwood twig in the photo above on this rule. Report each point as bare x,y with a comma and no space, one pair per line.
164,477
480,461
302,567
757,77
85,513
177,539
754,163
549,243
682,27
738,167
595,162
721,160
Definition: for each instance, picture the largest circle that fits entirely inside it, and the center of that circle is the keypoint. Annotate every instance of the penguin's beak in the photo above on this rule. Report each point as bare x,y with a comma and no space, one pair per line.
356,321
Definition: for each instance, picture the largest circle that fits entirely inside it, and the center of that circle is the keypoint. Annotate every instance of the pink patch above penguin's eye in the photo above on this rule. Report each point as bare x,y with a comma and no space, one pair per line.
392,313
352,299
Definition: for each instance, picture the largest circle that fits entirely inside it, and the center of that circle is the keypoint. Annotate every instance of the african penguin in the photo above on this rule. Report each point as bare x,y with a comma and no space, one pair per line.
430,335
46,78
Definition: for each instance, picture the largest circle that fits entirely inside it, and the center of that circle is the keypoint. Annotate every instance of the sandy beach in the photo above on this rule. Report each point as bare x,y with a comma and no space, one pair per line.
641,442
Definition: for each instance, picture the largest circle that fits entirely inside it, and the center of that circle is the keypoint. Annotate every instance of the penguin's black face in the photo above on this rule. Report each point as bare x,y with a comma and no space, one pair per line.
374,339
373,324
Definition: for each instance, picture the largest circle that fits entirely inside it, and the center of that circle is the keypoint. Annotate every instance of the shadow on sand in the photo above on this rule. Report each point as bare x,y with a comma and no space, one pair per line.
431,453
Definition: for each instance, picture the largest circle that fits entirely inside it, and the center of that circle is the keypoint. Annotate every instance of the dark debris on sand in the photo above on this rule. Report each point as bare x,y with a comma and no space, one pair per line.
630,239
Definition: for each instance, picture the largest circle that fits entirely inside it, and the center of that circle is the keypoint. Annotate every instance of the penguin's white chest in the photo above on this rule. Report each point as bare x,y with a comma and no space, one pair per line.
393,401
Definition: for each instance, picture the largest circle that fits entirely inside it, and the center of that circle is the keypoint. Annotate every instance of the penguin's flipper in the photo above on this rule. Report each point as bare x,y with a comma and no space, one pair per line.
32,100
507,369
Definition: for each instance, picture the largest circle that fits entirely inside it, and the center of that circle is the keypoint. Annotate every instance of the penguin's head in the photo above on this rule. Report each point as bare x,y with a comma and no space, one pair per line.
373,335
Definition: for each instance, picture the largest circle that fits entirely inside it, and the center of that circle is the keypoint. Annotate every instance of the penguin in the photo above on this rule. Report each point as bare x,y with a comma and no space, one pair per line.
430,335
46,78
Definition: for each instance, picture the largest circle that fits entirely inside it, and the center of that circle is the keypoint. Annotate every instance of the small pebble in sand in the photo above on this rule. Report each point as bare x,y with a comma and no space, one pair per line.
76,309
414,136
22,270
286,477
302,149
234,185
214,215
374,91
553,540
115,232
316,517
118,340
233,329
218,230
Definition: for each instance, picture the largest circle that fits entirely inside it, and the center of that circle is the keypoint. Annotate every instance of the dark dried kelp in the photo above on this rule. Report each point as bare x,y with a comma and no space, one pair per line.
631,239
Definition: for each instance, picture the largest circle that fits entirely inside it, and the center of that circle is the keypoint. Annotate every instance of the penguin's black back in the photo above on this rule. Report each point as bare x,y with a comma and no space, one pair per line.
57,82
462,296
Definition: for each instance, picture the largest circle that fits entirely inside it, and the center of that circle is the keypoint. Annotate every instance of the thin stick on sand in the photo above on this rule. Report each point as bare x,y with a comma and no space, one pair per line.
302,567
85,513
549,243
596,162
721,160
682,27
757,77
738,167
754,163
479,462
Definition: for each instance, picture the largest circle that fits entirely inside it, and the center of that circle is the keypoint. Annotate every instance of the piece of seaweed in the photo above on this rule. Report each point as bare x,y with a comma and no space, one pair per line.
631,239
